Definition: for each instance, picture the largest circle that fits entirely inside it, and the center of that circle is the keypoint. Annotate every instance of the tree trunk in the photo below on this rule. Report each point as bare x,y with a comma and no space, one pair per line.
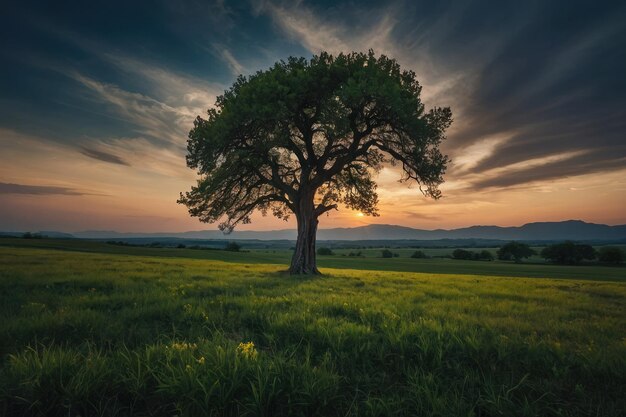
303,260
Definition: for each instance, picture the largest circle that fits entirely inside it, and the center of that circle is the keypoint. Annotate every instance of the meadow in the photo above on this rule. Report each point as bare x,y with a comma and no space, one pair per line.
94,329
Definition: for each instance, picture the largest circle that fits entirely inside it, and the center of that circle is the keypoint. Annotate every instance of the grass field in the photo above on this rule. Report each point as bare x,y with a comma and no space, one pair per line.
371,260
94,329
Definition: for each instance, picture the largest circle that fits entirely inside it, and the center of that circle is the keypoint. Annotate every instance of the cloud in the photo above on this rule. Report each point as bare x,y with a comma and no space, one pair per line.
350,29
233,64
144,155
580,163
8,188
152,117
103,156
520,88
420,216
187,94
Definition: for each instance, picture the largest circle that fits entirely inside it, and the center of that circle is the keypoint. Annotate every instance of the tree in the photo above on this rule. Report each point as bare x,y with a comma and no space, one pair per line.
418,254
462,254
568,252
325,251
515,251
386,253
305,136
611,255
232,247
484,255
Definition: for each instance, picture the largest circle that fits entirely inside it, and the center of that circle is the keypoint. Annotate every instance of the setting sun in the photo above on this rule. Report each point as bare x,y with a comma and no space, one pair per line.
359,214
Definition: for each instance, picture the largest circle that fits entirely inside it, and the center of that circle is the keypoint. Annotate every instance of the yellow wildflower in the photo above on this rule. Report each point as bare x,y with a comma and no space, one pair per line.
183,346
247,350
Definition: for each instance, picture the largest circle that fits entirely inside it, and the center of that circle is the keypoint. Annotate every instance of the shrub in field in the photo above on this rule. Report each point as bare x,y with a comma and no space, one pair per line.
462,254
386,253
611,255
29,235
515,251
568,253
418,254
233,247
325,251
483,255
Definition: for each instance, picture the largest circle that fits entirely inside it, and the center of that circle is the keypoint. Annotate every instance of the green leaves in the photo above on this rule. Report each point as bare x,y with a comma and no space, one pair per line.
317,129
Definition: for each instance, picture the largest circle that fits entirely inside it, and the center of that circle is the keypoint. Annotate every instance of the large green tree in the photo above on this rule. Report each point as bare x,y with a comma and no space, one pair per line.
305,136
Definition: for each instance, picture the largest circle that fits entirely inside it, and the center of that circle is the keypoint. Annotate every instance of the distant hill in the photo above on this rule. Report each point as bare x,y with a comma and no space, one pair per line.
570,229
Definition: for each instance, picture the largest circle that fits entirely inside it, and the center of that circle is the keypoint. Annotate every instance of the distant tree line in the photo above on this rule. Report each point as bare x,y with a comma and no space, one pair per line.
571,253
29,235
564,253
483,255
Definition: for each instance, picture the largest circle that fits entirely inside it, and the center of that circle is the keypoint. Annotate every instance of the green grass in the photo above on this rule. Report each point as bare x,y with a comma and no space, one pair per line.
371,260
150,332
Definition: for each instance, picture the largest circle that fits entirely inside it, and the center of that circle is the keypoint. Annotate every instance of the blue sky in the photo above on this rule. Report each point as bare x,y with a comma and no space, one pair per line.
96,99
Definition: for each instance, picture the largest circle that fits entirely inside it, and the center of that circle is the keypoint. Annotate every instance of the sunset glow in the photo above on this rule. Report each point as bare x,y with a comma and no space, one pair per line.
93,129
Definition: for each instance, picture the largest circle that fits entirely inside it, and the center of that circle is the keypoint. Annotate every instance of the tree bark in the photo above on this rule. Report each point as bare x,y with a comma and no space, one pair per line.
303,260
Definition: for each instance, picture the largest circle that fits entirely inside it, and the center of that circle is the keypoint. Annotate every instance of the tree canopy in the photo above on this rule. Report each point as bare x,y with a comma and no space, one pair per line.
515,251
568,252
306,136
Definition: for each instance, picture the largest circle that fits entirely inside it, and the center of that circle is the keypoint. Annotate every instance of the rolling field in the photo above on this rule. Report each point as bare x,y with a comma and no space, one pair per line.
370,260
94,329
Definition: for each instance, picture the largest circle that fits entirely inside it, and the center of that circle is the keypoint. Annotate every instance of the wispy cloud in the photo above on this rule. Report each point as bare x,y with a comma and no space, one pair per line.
236,68
103,156
188,94
515,97
152,117
572,164
361,29
9,188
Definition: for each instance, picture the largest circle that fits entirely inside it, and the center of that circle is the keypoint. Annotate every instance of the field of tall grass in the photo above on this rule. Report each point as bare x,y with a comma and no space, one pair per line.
119,334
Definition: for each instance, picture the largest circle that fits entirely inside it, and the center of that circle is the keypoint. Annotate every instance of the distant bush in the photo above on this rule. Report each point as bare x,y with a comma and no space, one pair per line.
233,247
155,245
29,235
418,254
611,255
113,242
359,253
462,254
568,253
467,255
386,253
483,255
514,251
181,246
325,251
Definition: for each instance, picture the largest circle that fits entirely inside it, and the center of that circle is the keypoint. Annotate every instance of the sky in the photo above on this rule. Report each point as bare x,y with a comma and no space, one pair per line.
97,99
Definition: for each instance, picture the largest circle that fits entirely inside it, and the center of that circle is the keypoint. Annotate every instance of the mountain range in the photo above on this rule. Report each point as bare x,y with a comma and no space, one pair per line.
565,230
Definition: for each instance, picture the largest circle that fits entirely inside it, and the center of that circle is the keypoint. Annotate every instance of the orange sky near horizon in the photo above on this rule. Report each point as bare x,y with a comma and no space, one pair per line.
104,196
96,107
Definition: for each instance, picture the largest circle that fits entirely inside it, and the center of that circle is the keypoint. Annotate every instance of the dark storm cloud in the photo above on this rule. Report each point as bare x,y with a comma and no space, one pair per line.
103,156
8,188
